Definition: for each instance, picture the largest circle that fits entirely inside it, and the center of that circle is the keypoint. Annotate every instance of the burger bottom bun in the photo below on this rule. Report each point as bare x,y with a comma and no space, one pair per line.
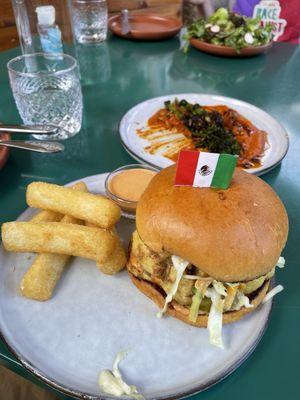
182,313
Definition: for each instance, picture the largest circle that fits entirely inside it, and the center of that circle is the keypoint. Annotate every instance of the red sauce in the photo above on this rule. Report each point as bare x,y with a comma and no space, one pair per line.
251,139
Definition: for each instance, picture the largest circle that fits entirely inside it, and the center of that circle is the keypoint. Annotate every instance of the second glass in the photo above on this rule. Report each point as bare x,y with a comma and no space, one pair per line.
47,91
89,20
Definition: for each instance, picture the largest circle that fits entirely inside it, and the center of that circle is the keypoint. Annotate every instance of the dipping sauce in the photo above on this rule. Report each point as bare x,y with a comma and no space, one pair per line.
130,184
125,186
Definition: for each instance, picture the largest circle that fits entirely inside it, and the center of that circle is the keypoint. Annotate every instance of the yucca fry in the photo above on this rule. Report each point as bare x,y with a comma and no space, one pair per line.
46,216
112,228
95,209
59,238
87,223
116,262
52,216
40,280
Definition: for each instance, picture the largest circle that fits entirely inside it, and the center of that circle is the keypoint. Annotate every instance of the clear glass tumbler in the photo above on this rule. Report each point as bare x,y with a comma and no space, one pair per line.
46,89
89,20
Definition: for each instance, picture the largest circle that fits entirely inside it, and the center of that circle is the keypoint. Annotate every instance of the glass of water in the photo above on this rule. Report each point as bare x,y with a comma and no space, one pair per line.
47,91
89,20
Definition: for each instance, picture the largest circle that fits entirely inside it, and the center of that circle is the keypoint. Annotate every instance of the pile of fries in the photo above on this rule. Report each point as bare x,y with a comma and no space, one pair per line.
71,222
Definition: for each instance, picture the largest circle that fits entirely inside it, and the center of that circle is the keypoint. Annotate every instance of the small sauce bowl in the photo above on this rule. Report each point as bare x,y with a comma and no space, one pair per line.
126,184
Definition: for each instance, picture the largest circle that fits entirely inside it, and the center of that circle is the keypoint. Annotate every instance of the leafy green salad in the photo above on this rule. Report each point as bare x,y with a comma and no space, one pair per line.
224,28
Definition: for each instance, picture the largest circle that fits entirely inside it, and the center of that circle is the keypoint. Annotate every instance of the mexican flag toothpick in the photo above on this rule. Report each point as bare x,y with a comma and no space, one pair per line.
202,169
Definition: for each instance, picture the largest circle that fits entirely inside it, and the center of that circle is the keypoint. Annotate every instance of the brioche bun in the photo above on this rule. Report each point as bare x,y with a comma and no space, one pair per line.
232,235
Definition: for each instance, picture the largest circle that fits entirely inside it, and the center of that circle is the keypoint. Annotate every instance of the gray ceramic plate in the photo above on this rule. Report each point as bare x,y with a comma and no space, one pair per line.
137,117
68,340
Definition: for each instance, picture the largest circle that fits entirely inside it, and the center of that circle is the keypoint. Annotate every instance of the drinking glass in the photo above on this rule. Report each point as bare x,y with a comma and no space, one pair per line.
89,20
47,91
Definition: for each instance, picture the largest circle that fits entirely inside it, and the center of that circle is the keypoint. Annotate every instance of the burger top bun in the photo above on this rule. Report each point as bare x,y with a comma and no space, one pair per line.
232,235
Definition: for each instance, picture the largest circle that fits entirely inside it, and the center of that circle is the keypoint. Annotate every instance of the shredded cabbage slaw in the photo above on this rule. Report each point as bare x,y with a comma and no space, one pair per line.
111,381
180,266
275,290
215,317
218,294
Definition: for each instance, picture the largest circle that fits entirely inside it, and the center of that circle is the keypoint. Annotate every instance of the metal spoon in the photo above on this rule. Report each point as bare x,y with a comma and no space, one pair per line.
30,129
40,147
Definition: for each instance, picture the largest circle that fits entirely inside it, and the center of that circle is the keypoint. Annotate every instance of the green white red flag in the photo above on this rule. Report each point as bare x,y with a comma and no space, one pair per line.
202,169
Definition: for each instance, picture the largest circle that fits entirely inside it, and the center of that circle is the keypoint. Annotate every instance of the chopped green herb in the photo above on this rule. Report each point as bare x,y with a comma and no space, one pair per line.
207,127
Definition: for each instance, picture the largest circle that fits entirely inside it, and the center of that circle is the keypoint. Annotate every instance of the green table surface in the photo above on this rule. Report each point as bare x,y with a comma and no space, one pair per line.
119,74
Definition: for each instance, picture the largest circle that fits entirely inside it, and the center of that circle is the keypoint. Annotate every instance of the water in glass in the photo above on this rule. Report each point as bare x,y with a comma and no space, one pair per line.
89,19
48,97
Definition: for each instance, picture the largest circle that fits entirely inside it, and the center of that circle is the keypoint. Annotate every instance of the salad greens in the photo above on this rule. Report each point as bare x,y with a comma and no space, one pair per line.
225,28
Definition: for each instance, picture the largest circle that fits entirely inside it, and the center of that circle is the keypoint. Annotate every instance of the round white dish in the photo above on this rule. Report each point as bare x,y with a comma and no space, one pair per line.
69,339
137,117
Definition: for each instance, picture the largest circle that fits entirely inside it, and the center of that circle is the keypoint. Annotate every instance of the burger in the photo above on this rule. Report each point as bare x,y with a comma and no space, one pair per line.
204,255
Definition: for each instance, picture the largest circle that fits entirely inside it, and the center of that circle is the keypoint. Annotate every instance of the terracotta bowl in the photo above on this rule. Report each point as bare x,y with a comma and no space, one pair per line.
225,51
146,27
4,151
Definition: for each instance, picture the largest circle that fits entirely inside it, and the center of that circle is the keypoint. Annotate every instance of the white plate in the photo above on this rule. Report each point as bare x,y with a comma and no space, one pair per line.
137,117
67,340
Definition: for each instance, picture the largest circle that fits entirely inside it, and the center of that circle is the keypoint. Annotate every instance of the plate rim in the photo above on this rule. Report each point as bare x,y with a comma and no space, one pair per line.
182,395
65,389
213,96
134,34
260,49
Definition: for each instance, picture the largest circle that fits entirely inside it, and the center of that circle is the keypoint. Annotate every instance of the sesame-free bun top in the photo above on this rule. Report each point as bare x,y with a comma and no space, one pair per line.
232,235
